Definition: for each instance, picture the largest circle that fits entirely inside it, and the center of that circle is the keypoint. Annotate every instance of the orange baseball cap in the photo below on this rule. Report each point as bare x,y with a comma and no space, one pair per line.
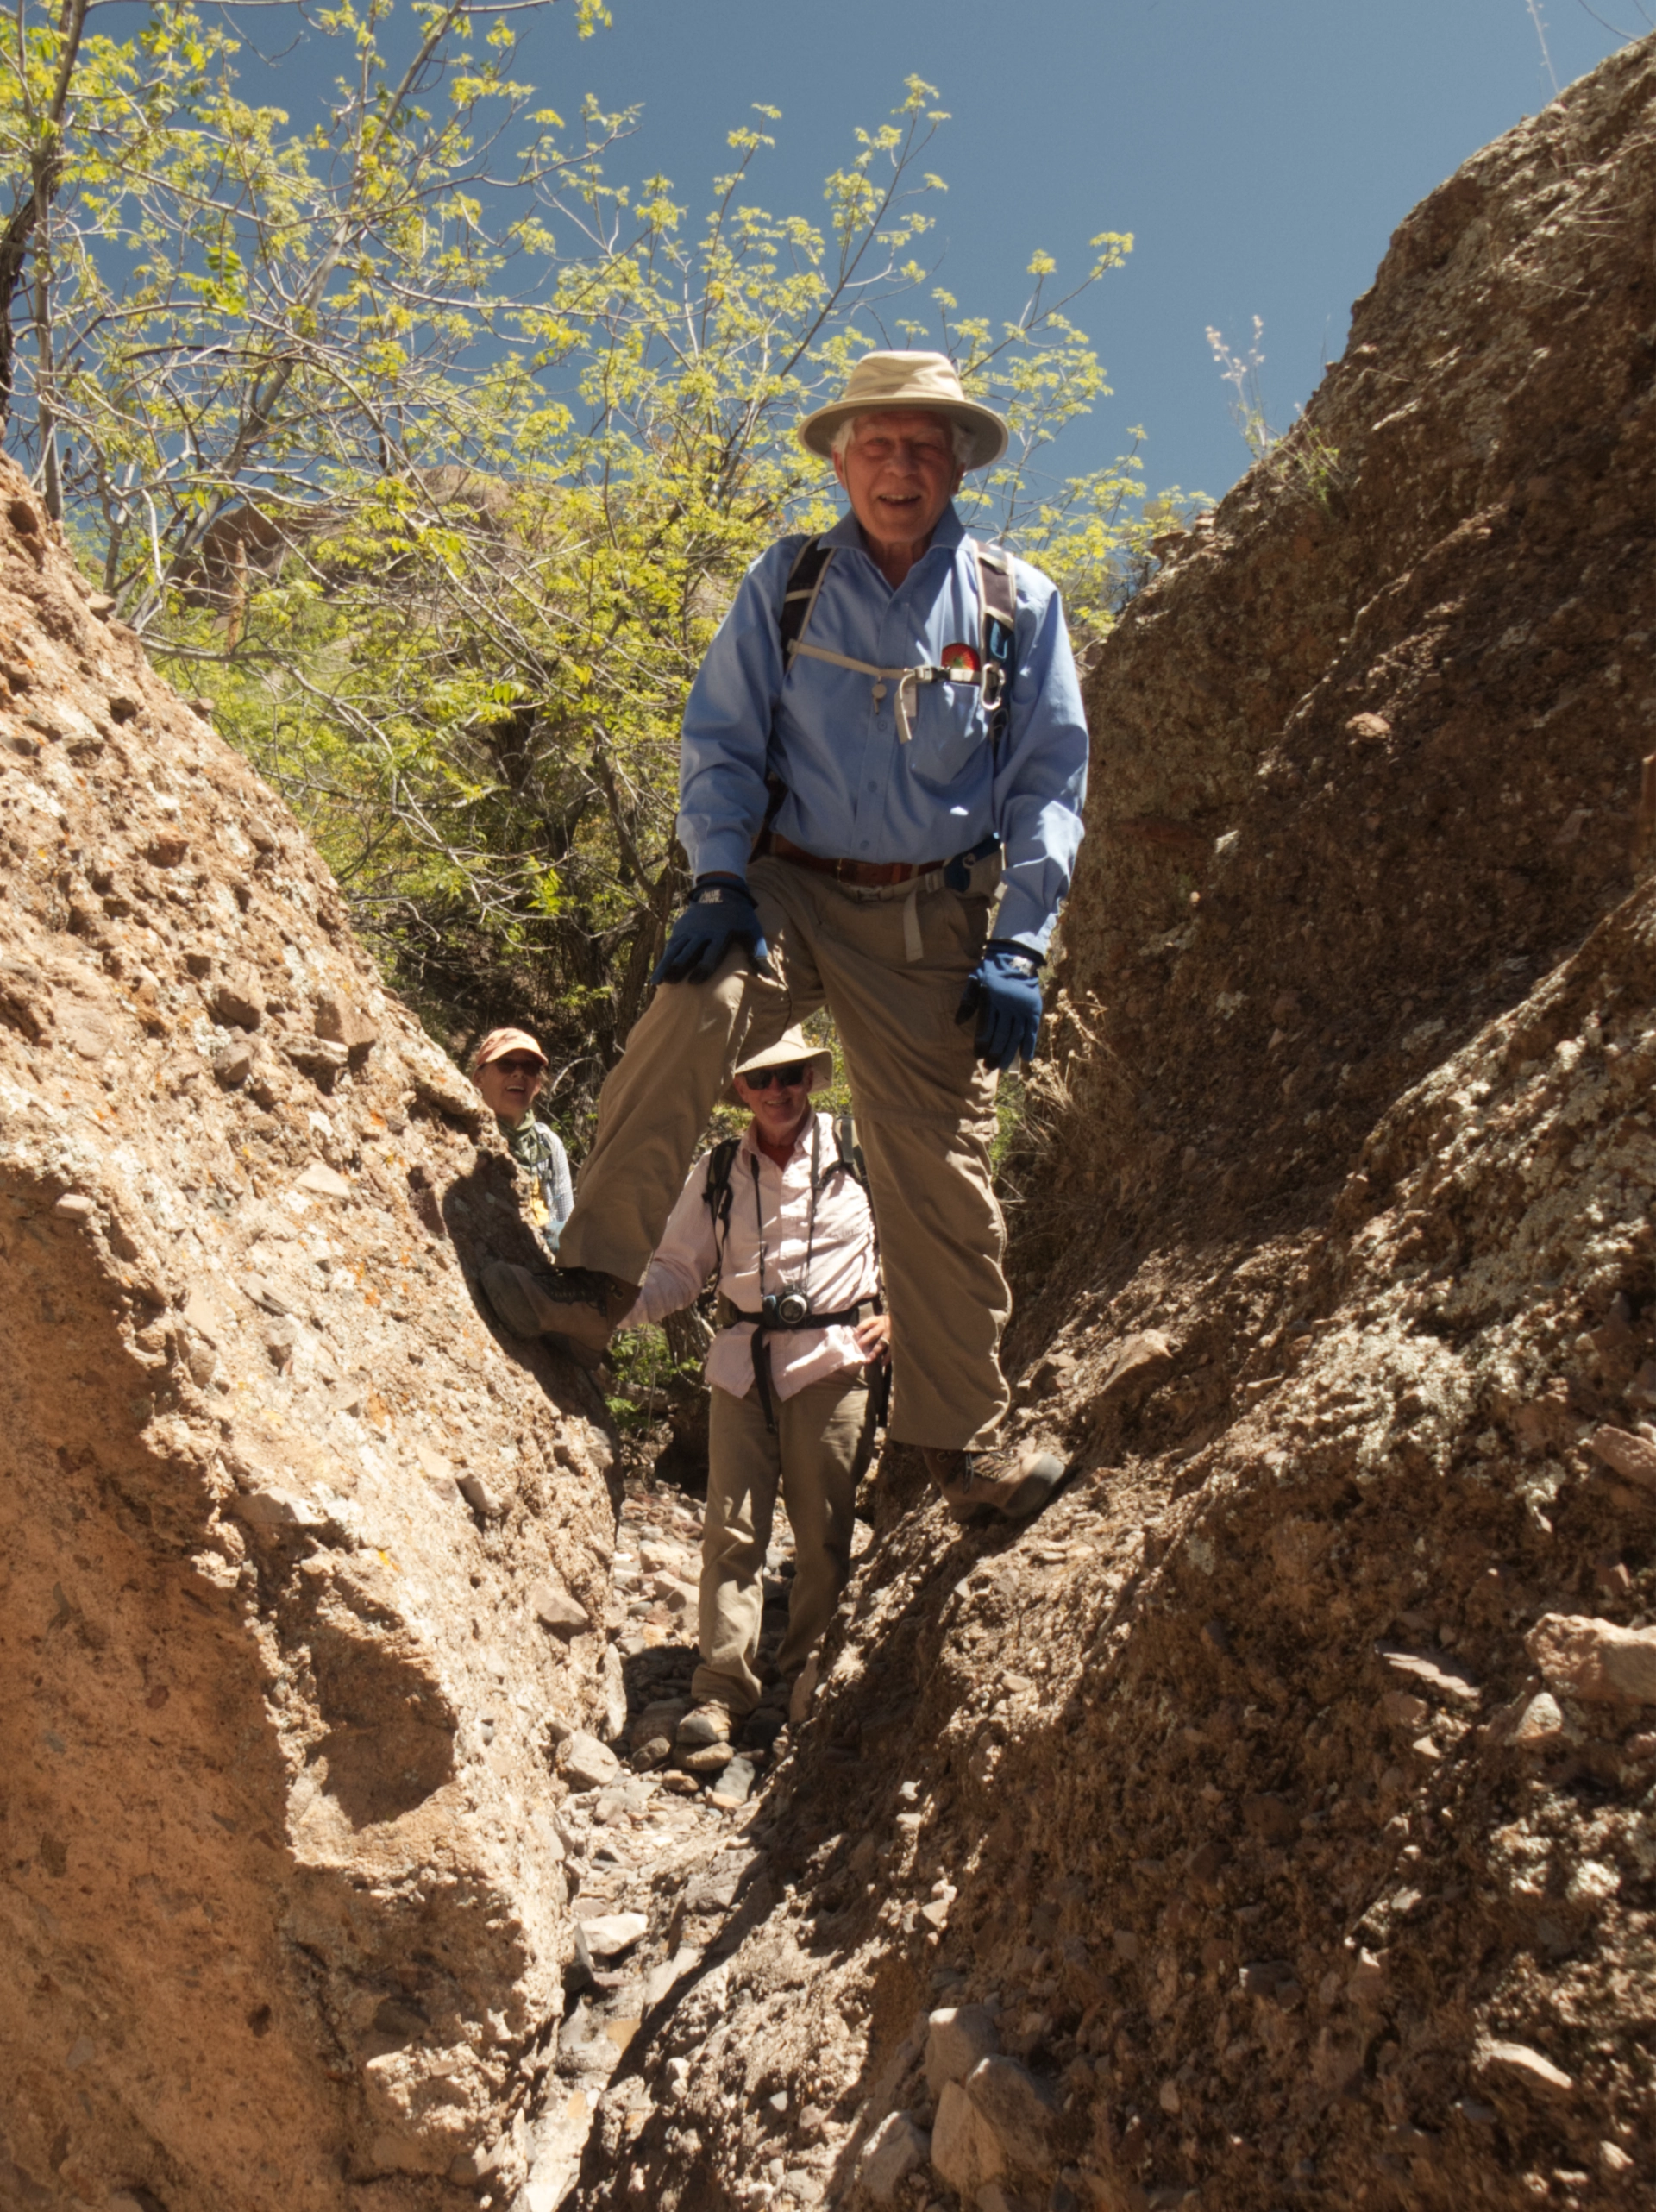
499,1042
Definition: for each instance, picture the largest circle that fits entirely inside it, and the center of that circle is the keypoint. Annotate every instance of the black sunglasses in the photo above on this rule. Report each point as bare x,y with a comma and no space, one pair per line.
763,1077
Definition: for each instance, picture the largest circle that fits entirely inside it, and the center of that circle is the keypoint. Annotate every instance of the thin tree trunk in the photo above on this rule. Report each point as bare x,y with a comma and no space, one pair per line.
19,238
45,409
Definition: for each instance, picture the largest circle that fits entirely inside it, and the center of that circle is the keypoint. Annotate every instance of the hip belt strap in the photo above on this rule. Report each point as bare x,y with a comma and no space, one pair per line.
764,1330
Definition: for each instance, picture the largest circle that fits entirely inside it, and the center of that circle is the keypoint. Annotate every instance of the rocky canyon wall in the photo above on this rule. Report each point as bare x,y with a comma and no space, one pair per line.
1275,1821
303,1577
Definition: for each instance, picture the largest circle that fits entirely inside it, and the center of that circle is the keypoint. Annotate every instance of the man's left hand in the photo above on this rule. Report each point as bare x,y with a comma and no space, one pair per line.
1003,992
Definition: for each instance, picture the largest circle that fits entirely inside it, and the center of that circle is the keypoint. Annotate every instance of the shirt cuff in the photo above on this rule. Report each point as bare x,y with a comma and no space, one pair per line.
725,852
1018,920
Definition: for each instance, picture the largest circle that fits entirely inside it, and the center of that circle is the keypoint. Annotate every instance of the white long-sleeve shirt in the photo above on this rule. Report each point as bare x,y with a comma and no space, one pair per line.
776,1219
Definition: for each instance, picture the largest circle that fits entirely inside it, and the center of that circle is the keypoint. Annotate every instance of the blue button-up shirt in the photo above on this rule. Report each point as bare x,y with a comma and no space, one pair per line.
855,791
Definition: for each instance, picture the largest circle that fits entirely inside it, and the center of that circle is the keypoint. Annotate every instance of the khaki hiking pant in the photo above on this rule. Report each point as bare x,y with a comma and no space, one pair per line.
821,1448
924,1116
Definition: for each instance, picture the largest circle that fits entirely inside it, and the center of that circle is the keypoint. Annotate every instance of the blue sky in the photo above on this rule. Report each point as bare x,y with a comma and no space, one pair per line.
1261,154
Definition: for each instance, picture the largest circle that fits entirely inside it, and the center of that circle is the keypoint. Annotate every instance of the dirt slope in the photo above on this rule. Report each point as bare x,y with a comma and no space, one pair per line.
1276,1821
302,1575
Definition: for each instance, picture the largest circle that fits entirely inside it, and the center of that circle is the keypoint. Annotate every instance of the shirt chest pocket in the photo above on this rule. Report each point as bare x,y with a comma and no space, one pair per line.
950,729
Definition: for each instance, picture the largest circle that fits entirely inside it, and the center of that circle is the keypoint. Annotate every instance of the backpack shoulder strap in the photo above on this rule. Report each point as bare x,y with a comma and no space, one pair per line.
799,594
997,592
848,1158
798,598
717,1188
848,1152
848,1149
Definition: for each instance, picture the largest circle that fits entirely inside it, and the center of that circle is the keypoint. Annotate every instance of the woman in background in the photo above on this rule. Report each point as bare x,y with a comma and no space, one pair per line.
509,1068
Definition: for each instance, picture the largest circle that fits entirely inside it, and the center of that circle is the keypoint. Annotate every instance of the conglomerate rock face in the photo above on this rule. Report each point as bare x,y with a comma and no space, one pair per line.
1275,1821
303,1576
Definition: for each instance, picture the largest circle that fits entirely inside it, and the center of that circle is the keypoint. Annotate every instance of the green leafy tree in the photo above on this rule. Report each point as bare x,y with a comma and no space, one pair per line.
198,303
436,456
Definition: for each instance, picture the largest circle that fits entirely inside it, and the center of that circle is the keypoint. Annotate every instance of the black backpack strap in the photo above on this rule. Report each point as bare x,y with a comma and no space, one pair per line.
716,1189
798,598
997,596
848,1160
848,1153
799,594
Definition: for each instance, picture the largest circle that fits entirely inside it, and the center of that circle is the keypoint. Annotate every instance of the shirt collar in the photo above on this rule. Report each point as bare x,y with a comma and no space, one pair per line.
946,539
801,1143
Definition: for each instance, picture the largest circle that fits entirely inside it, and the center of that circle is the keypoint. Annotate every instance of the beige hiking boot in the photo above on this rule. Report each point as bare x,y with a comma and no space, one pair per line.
702,1744
704,1724
1005,1485
577,1308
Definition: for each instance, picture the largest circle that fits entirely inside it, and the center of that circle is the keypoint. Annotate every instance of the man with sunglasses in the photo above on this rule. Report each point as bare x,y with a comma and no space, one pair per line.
509,1068
883,763
783,1220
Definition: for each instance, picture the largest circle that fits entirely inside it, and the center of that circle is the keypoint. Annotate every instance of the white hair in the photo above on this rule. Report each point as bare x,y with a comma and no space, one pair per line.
960,438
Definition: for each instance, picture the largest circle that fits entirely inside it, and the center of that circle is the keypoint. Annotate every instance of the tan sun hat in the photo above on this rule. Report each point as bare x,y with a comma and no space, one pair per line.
790,1046
883,382
499,1042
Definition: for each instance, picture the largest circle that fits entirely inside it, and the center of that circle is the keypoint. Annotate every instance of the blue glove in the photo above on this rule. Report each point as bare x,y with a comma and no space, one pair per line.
721,913
1003,992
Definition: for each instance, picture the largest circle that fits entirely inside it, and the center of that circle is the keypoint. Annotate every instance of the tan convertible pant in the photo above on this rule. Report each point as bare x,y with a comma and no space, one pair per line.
924,1114
821,1448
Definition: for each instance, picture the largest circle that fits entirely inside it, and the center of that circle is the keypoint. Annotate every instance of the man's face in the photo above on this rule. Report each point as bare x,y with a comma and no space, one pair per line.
899,472
779,1109
511,1084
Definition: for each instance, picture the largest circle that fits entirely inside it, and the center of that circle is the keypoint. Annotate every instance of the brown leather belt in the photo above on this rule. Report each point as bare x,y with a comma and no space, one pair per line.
867,875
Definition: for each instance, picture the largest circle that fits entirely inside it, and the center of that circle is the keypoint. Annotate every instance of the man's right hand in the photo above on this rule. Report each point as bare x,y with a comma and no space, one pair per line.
874,1338
720,913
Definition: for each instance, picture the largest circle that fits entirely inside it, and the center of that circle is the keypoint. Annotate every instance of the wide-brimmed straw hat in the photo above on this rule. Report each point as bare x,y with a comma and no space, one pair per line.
790,1046
881,382
499,1042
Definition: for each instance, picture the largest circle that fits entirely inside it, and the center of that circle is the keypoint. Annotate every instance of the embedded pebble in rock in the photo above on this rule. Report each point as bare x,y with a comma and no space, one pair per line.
1595,1659
613,1933
1516,2063
733,1786
1540,1722
587,1763
958,2037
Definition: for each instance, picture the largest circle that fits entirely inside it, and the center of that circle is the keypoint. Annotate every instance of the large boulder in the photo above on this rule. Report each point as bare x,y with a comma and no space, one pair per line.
282,1906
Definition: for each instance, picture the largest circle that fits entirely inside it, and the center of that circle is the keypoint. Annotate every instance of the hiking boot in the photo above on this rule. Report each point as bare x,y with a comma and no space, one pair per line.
703,1726
709,1759
577,1308
1005,1486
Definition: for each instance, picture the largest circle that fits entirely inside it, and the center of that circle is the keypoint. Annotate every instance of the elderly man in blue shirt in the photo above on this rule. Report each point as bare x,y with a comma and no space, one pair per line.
881,801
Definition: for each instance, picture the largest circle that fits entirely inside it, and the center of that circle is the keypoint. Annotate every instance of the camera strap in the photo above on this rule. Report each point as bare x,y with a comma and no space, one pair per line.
811,1214
761,1376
